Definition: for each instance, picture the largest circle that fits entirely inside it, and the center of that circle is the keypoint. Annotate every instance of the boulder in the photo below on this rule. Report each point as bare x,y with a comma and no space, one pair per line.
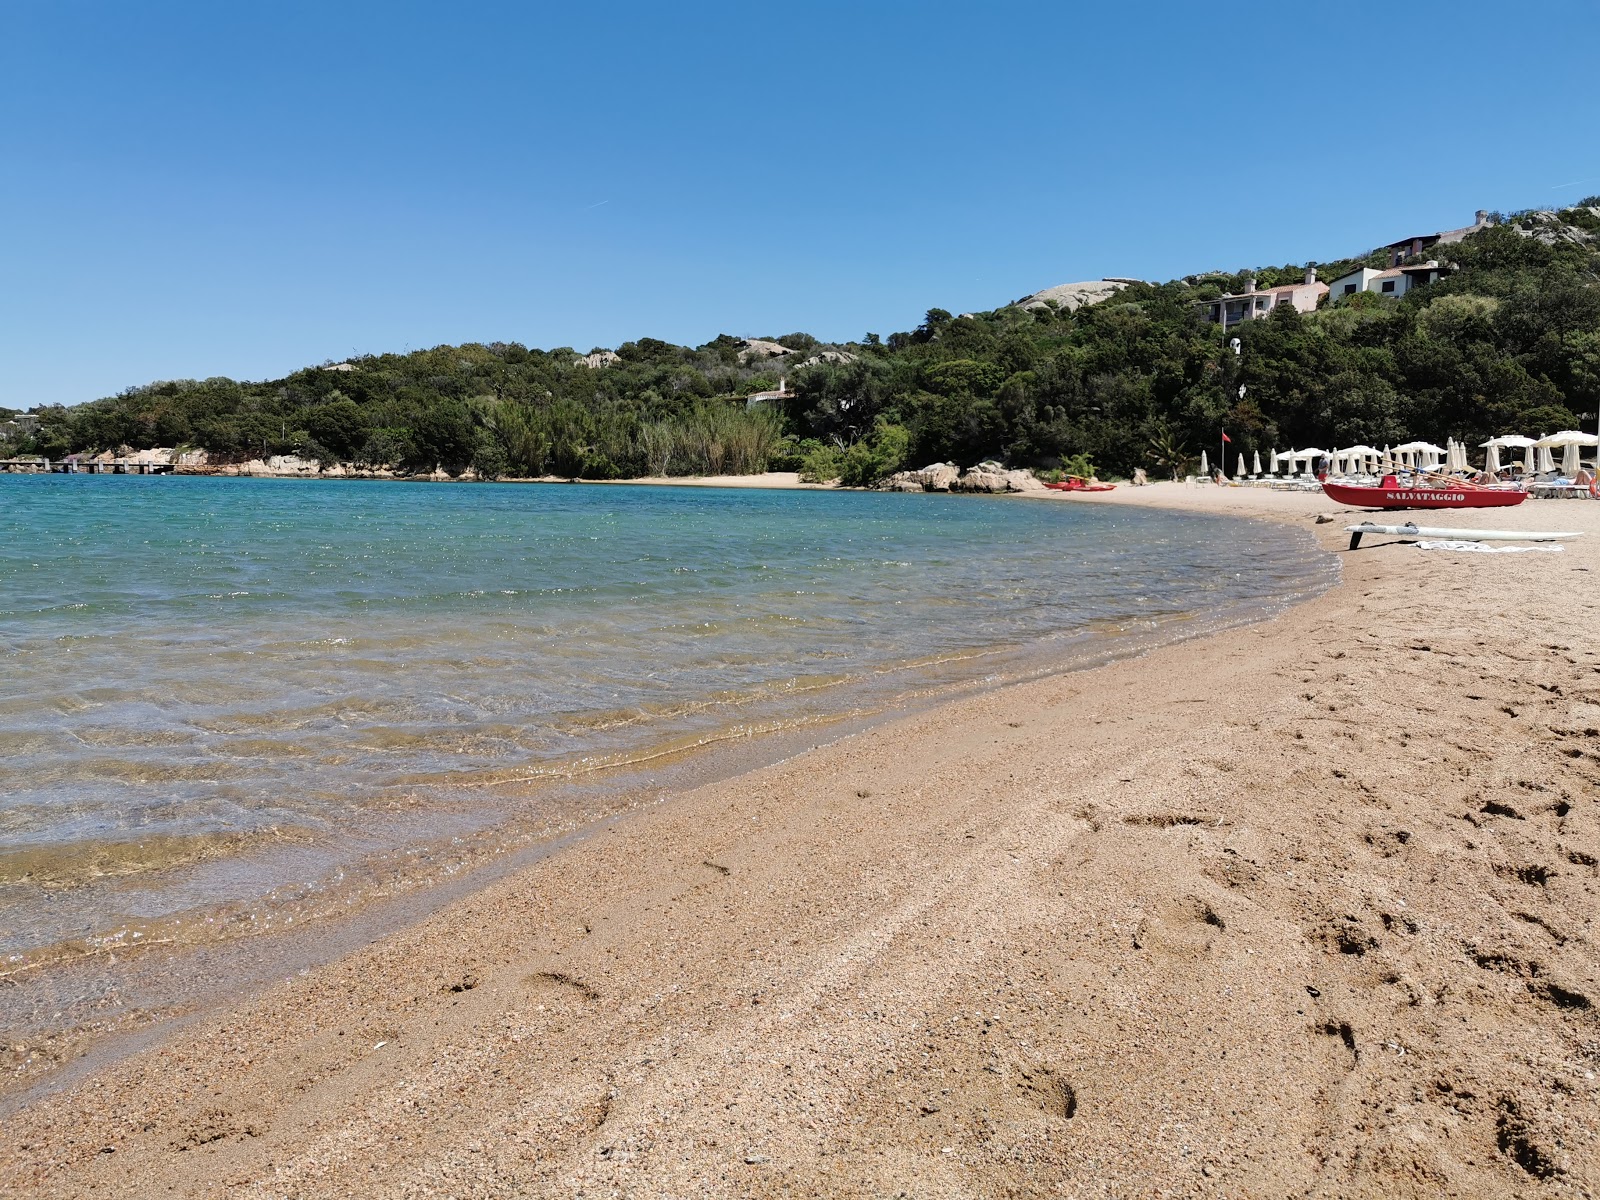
992,477
761,348
1072,296
978,480
292,465
940,477
597,360
840,357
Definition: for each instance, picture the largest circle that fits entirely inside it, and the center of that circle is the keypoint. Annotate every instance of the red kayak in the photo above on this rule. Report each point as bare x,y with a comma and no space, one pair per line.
1390,494
1074,484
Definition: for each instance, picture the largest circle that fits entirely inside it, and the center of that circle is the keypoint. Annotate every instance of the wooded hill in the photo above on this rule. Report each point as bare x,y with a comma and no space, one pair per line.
1506,341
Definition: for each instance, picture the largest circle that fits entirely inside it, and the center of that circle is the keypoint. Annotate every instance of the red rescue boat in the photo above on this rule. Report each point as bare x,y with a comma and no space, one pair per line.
1391,494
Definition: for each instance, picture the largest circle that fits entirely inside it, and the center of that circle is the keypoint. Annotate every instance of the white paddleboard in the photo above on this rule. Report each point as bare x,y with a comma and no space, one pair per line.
1434,533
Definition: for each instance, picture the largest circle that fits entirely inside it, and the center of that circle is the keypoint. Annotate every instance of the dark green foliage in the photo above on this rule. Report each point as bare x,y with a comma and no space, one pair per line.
1507,341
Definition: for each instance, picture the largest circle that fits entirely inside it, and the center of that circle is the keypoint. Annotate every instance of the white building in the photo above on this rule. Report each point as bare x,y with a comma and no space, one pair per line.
1254,303
1396,281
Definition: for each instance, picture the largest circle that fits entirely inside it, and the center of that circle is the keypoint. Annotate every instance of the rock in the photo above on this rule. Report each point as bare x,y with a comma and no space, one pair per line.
759,348
1325,518
940,477
977,480
1072,296
292,464
829,356
600,358
992,477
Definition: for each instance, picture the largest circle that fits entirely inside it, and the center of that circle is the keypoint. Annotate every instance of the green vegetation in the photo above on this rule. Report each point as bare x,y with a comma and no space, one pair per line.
1509,340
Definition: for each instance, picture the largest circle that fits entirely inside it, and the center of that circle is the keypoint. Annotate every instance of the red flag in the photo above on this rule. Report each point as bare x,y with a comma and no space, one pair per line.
1225,436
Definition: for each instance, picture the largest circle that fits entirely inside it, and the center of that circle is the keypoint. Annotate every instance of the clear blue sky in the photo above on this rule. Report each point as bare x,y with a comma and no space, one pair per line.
195,189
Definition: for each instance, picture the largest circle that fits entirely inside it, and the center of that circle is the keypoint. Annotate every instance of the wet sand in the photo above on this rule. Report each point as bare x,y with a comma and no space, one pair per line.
1307,907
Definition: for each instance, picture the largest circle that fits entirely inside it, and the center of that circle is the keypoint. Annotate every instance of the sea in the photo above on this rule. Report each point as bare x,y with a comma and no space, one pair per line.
228,706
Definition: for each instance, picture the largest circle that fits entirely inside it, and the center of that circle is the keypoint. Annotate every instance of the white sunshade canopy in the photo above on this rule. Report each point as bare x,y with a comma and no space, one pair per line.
1569,437
1358,450
1419,447
1510,441
1309,452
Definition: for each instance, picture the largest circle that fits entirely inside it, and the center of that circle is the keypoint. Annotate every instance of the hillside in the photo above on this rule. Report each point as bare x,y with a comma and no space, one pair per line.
1507,338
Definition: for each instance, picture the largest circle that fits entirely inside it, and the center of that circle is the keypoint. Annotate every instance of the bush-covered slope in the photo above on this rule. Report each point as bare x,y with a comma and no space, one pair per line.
1508,340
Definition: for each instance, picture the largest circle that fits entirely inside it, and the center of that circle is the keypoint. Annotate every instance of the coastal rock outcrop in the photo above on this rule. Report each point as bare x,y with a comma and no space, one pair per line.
992,477
600,358
947,477
277,466
940,477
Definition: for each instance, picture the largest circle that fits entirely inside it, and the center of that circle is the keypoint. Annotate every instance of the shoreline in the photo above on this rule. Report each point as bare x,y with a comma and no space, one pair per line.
1158,921
133,987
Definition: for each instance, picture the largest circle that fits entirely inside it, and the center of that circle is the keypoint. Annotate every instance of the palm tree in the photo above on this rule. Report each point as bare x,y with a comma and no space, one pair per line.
1167,451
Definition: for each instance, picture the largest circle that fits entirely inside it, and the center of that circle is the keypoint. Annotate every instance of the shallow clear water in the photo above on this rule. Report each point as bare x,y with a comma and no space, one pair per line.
209,687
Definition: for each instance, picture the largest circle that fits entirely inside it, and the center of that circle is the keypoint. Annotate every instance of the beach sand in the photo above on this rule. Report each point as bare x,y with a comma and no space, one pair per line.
1302,908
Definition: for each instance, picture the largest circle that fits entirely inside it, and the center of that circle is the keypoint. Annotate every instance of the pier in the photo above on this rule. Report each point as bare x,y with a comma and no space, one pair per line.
75,466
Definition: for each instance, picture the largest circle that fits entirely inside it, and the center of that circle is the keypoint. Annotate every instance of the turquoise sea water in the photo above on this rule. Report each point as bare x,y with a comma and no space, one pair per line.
211,689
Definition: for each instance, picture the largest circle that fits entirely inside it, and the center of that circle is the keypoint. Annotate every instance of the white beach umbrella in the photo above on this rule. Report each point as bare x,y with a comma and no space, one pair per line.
1255,460
1384,462
1205,466
1528,458
1569,440
1491,458
1239,474
1546,461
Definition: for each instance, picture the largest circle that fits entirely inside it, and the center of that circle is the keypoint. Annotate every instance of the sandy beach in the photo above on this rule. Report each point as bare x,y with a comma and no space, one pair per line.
1302,908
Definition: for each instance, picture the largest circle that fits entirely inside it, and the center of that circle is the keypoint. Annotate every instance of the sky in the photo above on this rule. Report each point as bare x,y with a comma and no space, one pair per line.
200,189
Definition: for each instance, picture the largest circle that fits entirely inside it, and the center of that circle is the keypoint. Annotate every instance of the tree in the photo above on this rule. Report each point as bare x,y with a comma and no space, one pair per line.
1167,452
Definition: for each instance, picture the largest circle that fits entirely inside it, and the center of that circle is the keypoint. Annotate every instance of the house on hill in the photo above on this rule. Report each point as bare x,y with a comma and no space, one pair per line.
1396,281
1414,247
757,399
1254,303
